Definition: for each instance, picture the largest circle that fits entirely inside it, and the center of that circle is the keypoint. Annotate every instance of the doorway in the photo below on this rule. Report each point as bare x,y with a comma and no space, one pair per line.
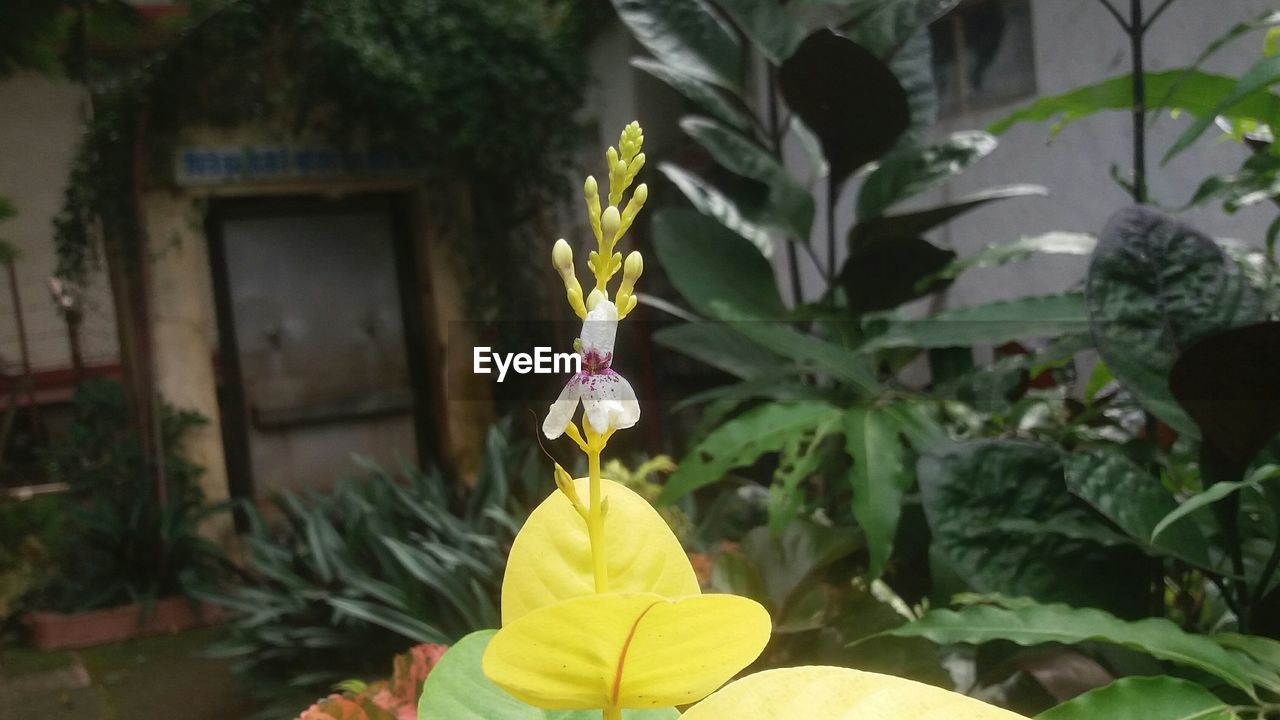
320,340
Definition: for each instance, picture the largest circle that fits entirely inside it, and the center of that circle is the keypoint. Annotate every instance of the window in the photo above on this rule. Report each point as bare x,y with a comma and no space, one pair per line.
983,55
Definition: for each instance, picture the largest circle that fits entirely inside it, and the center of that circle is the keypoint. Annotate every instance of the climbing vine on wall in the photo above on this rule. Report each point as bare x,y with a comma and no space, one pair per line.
478,91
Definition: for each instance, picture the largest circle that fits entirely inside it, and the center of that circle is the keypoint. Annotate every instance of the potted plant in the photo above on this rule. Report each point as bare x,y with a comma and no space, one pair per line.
129,553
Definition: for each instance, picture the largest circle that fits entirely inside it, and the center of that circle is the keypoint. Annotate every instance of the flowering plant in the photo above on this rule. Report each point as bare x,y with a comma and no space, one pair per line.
393,699
602,614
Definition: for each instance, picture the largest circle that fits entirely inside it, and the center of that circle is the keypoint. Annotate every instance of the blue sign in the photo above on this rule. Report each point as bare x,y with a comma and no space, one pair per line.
221,165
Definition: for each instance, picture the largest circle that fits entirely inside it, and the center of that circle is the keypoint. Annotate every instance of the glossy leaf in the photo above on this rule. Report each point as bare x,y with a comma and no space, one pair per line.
550,559
1155,286
631,650
997,254
790,204
885,28
1144,698
913,66
457,689
1028,623
1134,500
917,222
830,82
742,441
879,476
910,171
995,323
721,346
1193,92
800,458
1228,383
704,95
688,243
741,217
768,24
831,693
1000,514
887,274
687,35
1255,84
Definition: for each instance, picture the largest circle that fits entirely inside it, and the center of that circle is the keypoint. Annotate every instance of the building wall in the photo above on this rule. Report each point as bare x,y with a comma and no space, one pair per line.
39,129
1076,42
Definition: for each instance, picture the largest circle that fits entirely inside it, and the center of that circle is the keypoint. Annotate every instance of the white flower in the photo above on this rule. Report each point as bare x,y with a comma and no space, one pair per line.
607,397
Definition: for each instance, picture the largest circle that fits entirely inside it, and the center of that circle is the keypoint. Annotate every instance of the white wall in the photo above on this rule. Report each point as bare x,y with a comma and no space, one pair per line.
1077,43
39,129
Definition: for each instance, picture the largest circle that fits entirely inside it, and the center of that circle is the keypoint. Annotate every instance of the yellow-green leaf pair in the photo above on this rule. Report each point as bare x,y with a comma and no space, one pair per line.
653,641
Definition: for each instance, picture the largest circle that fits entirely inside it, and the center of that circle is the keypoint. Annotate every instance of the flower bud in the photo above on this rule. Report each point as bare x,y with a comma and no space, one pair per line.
590,188
562,256
634,267
610,221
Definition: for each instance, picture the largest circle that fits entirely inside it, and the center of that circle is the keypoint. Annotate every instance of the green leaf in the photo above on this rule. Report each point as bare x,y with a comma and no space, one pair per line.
1155,286
7,209
885,26
742,217
910,171
457,689
879,477
768,24
785,340
918,222
1192,92
1000,514
688,244
995,323
1134,500
800,458
721,346
703,94
789,204
913,65
1213,494
830,82
1252,86
1143,698
742,441
686,35
1033,624
997,254
405,625
885,275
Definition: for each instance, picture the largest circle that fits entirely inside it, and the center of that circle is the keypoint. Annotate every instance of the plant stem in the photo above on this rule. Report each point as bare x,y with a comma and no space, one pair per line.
831,233
613,713
1137,30
595,514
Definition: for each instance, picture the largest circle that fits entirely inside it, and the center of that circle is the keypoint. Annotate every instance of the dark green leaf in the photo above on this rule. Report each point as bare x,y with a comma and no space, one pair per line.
1143,698
1213,494
995,323
689,244
721,346
1228,383
879,477
887,274
769,25
910,171
885,26
740,216
703,94
790,205
1155,286
1051,243
1133,500
830,82
918,222
409,627
686,35
457,689
1033,624
974,492
742,441
800,458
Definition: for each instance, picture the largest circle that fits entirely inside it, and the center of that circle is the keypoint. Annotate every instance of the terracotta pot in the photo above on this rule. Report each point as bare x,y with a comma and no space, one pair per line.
56,631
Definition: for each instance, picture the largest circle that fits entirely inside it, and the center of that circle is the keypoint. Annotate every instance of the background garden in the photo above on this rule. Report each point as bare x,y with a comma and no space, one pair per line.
936,434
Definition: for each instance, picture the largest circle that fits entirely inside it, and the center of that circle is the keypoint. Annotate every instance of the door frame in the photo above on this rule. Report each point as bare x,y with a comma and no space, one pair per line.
410,288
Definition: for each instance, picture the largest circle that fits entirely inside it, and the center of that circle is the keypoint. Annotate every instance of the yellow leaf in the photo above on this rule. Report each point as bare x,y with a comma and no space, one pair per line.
627,650
831,693
550,560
